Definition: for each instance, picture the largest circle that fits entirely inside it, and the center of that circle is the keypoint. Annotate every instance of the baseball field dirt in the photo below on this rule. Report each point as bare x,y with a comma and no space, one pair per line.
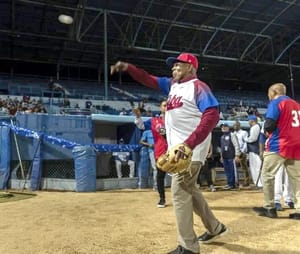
128,222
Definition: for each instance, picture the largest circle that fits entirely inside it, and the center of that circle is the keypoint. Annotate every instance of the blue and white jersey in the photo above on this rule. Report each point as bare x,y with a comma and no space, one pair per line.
186,102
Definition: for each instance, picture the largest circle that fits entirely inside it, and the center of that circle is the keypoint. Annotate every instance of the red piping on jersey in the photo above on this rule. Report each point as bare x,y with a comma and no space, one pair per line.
208,122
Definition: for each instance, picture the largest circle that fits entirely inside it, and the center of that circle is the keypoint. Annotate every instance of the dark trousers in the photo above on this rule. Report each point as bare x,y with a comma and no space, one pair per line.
229,171
161,183
205,172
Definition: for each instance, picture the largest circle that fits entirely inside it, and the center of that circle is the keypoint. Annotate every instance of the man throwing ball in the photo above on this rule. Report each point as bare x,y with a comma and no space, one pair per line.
192,113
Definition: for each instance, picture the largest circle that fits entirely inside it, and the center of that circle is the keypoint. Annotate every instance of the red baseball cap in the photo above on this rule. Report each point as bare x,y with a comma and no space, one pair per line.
184,58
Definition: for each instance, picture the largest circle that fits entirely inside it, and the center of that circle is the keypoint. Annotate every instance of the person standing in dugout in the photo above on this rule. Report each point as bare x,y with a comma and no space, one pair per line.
241,136
253,150
282,127
157,125
191,115
147,140
206,170
230,152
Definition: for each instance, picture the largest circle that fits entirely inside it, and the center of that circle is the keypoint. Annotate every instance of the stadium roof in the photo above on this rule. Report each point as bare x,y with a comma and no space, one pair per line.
237,41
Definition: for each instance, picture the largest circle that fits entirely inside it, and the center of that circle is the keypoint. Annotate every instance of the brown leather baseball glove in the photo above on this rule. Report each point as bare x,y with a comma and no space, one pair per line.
176,160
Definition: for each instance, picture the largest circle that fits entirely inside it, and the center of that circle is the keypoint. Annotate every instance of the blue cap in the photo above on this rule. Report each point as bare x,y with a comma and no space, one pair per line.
224,125
252,117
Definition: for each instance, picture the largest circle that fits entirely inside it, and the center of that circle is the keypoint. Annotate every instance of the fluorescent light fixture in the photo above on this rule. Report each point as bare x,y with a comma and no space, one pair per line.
65,19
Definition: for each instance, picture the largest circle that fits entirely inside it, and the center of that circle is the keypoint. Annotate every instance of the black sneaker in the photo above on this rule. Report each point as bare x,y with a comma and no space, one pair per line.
295,216
181,250
271,213
208,238
161,203
290,204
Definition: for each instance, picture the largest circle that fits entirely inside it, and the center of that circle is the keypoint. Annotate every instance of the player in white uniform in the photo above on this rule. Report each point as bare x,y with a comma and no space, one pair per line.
242,136
122,158
253,150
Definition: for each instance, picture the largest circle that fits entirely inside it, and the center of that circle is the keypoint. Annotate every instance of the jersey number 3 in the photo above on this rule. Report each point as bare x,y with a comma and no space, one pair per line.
296,118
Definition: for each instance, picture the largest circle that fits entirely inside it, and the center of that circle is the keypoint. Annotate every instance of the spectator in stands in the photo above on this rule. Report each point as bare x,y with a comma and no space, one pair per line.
93,109
149,112
242,136
251,110
67,103
147,140
253,149
88,104
230,152
123,158
123,112
12,109
40,108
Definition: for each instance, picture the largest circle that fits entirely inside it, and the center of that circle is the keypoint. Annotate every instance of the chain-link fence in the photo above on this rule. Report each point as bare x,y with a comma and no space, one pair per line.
63,169
58,169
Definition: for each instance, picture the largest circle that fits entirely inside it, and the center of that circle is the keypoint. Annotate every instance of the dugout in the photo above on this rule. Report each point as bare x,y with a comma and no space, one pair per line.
60,135
54,159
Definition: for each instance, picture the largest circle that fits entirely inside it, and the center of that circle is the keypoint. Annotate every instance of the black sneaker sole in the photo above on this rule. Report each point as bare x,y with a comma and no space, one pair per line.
264,213
294,216
215,237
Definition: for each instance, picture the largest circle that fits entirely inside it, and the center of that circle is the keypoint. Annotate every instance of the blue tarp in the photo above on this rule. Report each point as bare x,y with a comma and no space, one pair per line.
143,168
85,168
36,169
4,156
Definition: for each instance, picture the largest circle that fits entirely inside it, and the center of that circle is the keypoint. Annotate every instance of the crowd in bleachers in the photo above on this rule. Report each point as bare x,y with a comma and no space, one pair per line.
238,112
90,98
9,106
145,110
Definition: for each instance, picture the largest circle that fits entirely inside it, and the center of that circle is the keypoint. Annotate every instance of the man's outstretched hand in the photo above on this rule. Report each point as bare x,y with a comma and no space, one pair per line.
117,67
